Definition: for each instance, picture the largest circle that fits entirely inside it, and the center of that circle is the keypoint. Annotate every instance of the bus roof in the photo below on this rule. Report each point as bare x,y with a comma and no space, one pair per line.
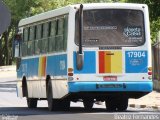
43,16
65,10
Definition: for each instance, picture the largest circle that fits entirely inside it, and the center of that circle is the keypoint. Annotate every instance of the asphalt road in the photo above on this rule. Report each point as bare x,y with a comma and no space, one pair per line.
75,113
14,108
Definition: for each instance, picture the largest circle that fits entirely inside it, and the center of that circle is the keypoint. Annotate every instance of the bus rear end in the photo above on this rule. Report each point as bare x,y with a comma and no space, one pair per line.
116,55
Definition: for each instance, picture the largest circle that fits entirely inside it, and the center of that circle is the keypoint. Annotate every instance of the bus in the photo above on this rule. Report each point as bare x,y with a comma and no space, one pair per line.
85,52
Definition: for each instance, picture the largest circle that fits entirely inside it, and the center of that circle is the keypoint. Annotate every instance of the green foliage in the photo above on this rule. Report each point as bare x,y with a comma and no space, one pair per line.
155,27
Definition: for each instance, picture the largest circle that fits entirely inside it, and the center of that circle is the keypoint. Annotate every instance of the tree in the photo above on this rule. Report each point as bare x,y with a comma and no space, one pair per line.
19,9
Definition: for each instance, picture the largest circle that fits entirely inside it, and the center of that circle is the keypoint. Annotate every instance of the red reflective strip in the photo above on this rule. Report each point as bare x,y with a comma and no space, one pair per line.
101,62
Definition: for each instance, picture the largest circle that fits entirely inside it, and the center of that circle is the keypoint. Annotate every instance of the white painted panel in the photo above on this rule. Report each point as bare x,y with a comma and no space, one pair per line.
29,88
43,88
34,89
59,88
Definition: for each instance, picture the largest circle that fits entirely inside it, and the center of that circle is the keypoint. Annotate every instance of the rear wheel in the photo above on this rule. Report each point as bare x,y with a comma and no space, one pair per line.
88,103
32,102
63,105
24,87
110,104
50,96
55,104
122,104
114,104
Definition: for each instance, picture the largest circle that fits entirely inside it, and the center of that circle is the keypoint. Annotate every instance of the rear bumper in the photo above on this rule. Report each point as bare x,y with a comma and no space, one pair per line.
76,87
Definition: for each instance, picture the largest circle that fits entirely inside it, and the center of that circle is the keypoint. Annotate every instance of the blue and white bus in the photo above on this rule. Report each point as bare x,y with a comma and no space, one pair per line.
90,52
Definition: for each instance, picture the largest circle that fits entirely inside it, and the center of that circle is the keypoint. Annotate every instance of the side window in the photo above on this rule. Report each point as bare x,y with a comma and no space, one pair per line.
52,35
65,32
32,33
59,36
24,43
45,38
38,41
53,28
39,32
25,34
60,26
45,30
31,40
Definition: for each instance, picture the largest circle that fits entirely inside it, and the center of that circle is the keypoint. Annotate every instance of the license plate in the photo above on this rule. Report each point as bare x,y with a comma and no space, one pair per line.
110,78
109,86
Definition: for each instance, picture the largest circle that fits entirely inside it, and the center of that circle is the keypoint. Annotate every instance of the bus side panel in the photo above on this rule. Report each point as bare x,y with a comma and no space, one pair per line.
59,88
57,69
57,65
37,68
28,68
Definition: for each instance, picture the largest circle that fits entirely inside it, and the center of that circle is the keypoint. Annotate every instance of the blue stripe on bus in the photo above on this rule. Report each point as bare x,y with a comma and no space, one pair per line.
57,65
136,61
29,68
108,86
89,66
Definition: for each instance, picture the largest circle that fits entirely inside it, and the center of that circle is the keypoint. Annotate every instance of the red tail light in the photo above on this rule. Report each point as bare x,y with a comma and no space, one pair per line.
70,74
149,73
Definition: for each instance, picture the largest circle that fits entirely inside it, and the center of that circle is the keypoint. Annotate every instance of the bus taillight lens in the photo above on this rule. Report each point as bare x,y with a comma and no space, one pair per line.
149,68
70,78
149,73
70,74
70,70
150,77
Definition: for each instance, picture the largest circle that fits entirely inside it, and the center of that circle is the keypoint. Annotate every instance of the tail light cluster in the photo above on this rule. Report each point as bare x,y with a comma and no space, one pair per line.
150,73
70,71
70,74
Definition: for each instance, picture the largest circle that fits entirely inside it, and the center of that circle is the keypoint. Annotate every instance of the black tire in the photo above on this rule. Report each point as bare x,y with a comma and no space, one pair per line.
122,104
119,104
111,104
56,104
50,96
63,105
24,88
32,102
88,103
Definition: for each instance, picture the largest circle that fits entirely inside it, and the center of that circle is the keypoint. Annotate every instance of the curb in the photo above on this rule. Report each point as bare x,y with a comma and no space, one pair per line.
144,106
